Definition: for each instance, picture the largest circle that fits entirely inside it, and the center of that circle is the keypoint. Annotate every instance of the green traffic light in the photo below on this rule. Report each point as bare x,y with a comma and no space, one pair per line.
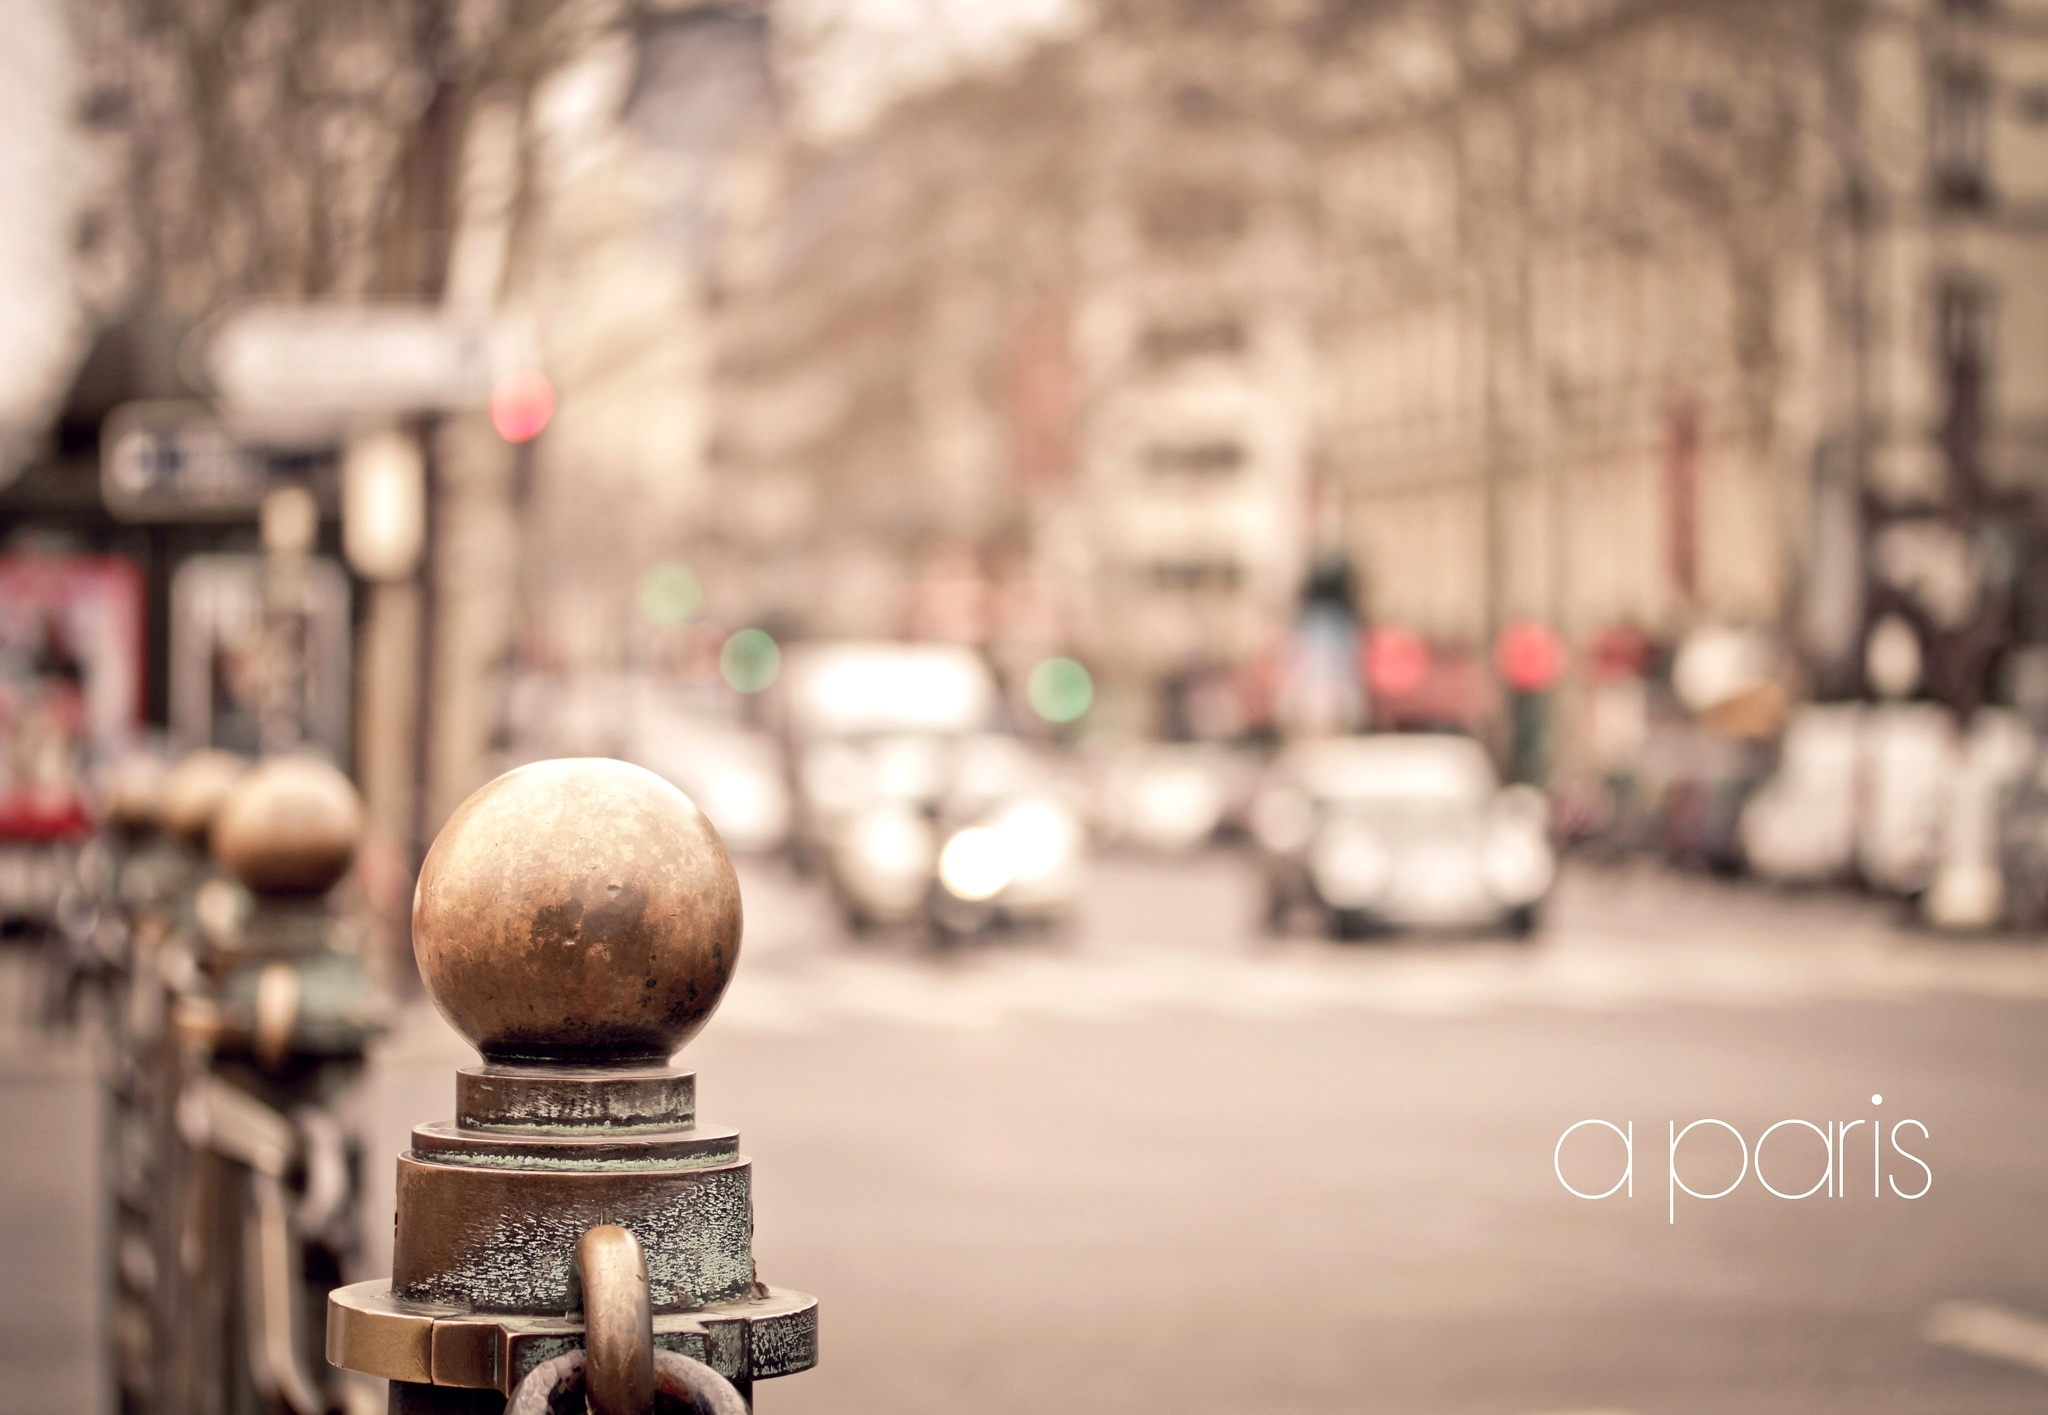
750,660
1060,690
670,595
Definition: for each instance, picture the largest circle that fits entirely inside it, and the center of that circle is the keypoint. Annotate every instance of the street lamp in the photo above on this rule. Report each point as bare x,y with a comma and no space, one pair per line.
384,505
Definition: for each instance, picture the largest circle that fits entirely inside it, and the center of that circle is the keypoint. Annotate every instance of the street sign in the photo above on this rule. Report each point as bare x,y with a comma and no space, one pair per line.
177,461
303,358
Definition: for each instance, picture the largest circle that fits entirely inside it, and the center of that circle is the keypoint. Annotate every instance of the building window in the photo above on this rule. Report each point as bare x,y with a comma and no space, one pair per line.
1961,103
1189,576
1965,311
1711,109
1215,458
1199,104
1182,216
1170,343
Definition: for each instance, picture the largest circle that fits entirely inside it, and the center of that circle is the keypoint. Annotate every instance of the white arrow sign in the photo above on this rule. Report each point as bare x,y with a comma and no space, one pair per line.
314,358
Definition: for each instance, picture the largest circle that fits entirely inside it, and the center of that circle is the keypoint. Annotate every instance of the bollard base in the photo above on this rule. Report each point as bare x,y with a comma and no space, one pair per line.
470,1356
410,1399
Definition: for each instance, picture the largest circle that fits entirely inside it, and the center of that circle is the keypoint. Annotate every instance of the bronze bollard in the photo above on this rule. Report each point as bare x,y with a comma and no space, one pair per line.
576,921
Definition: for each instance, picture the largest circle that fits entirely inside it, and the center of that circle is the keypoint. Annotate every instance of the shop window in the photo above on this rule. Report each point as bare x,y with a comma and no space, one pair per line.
1213,458
1961,112
1182,216
1192,576
1167,343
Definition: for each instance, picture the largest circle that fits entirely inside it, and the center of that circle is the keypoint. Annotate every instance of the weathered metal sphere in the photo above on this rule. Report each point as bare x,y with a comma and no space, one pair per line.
290,826
577,911
195,789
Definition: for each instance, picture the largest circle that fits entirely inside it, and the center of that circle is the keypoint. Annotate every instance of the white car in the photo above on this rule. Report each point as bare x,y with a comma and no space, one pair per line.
916,809
1399,830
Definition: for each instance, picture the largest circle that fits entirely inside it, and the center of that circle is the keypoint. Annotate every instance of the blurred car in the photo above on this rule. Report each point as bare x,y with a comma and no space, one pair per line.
1171,797
1398,830
909,802
1801,826
1970,890
736,778
2023,851
1910,761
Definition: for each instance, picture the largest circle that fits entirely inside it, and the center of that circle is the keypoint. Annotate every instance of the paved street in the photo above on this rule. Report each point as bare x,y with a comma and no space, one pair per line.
1164,1165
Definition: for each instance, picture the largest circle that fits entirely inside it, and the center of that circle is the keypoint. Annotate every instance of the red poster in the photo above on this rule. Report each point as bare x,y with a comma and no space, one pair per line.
71,664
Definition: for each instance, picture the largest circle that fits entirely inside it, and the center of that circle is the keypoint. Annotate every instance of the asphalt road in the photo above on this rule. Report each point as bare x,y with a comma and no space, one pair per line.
1165,1165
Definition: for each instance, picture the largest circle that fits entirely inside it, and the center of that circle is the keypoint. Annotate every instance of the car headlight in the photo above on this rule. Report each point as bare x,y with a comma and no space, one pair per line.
891,843
1174,806
1517,863
1039,839
1350,865
750,809
975,864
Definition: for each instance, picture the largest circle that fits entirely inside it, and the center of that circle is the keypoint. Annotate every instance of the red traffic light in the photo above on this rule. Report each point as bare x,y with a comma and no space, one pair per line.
1396,660
1529,655
521,405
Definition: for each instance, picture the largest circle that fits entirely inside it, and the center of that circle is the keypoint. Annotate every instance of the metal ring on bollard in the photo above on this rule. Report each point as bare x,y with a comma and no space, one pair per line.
681,1385
618,1321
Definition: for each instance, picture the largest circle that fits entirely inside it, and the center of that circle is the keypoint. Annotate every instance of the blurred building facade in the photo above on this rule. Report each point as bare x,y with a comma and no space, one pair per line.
1596,312
1651,313
564,170
1593,313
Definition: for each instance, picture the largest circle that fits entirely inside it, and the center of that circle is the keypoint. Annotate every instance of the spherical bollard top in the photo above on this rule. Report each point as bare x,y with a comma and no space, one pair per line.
195,788
577,911
131,797
289,826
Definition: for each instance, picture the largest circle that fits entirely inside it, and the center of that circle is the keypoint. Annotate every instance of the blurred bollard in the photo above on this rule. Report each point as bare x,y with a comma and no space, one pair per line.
114,913
128,906
576,921
273,1011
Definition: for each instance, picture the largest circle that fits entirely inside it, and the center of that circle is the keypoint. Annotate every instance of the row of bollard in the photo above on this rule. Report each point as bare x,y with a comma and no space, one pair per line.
237,1007
572,1237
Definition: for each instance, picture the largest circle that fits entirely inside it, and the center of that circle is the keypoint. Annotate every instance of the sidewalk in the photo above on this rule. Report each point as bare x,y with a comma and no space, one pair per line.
49,1192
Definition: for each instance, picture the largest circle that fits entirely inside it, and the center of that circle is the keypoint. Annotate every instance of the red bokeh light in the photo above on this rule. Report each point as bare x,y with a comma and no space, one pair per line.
1529,655
1621,652
1396,661
521,405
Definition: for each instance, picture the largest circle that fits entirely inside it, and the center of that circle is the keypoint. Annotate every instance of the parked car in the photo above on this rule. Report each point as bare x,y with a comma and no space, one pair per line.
2023,851
916,810
1910,761
1801,826
1970,890
1399,830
